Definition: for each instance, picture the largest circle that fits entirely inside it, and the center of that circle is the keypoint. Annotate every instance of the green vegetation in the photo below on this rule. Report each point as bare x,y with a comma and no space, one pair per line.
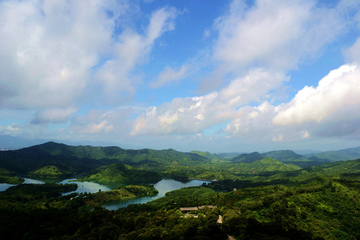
11,180
322,209
228,170
6,172
206,154
226,155
80,159
35,194
7,176
284,156
341,155
185,197
121,193
247,158
258,197
326,208
120,173
50,172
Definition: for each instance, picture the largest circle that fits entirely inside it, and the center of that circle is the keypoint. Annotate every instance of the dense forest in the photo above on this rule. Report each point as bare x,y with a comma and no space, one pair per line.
277,195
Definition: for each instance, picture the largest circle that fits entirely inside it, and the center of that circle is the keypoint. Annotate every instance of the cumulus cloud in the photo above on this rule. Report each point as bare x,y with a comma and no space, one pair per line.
169,75
327,111
254,123
47,49
194,114
277,34
50,51
336,90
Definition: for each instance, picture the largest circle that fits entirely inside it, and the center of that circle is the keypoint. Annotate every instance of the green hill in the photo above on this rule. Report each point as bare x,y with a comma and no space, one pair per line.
206,154
50,172
288,156
6,172
7,176
247,157
339,168
340,155
131,157
85,158
226,155
120,173
269,165
284,156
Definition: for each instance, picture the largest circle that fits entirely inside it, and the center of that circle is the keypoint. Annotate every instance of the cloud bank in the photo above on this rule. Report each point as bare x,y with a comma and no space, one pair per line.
75,64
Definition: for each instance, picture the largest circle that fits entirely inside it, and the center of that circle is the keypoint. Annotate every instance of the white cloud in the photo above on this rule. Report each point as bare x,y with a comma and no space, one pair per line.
110,125
169,75
51,50
47,49
327,111
277,34
13,127
194,114
306,134
53,115
338,89
254,124
130,49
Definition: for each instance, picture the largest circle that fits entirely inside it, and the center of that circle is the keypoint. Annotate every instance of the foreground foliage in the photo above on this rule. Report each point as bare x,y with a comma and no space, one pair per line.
257,198
325,208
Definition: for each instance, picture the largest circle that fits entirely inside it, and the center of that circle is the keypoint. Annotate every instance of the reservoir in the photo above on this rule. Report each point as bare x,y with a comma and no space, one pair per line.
163,186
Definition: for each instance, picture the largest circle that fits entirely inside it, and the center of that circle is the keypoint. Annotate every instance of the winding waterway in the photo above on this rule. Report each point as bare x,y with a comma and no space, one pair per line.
164,186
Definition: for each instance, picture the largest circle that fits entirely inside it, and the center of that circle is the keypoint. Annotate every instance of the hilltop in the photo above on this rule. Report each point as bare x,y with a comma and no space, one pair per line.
86,158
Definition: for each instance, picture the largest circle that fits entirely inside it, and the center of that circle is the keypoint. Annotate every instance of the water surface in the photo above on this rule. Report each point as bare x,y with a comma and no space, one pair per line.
89,187
164,186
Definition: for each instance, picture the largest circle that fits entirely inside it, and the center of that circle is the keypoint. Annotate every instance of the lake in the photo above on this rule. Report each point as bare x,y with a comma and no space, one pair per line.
4,186
164,186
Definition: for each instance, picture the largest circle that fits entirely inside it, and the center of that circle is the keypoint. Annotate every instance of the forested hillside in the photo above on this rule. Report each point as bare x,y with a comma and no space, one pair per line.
324,208
257,197
85,158
340,155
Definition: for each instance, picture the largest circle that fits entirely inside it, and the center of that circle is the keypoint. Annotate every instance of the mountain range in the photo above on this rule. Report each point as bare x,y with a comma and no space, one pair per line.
80,159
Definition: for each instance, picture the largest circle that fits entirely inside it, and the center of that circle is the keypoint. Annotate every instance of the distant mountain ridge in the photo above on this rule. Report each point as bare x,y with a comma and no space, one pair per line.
206,154
284,156
340,155
247,157
85,158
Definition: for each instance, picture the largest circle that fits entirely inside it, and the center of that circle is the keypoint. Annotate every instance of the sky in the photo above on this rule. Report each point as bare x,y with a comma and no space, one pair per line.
208,75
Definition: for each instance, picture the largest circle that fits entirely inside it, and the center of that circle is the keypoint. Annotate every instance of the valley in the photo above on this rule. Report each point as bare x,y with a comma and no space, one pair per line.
274,195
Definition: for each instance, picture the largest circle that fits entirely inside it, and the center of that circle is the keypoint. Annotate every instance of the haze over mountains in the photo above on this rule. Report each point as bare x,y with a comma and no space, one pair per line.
12,143
80,159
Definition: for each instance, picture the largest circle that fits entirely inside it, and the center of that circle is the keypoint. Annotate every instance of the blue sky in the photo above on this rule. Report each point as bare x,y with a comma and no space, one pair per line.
218,76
